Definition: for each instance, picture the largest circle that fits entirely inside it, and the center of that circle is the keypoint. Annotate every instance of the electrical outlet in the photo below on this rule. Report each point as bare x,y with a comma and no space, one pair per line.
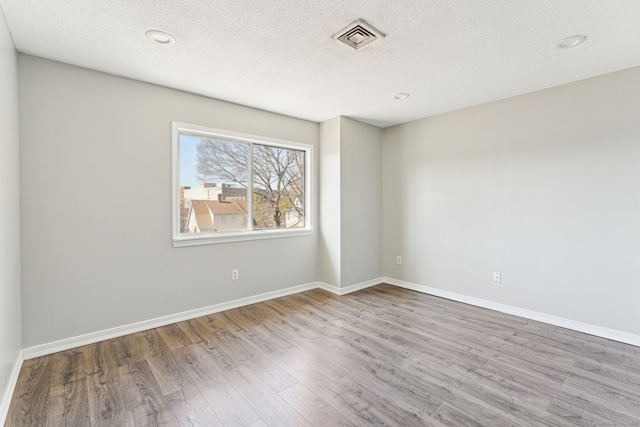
399,260
234,274
497,277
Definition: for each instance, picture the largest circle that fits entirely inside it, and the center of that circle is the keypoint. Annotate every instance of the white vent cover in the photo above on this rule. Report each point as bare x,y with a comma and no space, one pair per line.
358,34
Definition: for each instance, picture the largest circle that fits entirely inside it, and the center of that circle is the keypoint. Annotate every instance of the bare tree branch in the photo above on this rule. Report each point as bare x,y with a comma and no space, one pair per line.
278,177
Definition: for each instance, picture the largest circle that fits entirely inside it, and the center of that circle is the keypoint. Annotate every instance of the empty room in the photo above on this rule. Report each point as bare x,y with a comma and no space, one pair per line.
331,213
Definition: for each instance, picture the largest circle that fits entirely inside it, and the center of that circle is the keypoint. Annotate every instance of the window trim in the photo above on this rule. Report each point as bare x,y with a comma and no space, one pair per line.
181,239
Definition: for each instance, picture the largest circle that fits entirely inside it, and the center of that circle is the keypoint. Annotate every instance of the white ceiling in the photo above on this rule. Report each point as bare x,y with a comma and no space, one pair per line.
279,55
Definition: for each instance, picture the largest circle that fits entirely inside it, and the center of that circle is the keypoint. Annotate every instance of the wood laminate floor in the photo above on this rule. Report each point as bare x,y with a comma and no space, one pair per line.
381,356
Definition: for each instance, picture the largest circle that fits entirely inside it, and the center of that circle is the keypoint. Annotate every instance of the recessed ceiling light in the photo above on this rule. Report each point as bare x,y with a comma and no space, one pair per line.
402,95
160,37
570,42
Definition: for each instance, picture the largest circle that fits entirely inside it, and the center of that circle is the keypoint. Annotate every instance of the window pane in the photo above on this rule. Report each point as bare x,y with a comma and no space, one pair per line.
213,185
278,187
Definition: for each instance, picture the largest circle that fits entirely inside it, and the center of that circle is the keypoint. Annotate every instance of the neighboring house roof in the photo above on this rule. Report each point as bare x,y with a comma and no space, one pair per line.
233,192
231,207
204,210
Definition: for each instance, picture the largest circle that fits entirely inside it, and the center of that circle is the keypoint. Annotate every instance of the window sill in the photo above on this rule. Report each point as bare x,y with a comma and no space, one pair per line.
179,242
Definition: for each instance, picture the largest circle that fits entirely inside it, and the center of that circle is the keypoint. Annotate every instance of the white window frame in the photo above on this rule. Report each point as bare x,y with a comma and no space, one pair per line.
185,239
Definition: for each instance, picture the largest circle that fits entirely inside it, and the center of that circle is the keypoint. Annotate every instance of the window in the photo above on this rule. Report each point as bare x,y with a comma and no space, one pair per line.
229,186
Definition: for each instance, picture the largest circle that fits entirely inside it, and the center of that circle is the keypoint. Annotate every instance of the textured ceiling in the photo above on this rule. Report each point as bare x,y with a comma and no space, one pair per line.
279,55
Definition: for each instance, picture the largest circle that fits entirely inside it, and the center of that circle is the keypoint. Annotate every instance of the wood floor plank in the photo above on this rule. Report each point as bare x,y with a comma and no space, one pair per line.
66,367
200,366
383,408
536,366
193,331
578,416
613,357
28,407
344,333
613,373
228,342
191,409
102,361
513,382
270,406
380,356
542,350
513,376
107,402
216,355
144,396
418,330
301,363
476,330
450,334
326,388
271,373
228,404
433,367
267,342
579,400
398,385
436,343
312,408
170,374
174,337
56,411
142,416
515,353
621,397
292,323
507,401
69,404
452,416
150,342
118,351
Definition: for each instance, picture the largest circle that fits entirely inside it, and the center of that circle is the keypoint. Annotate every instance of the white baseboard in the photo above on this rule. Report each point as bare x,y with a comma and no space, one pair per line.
73,342
351,288
587,328
329,288
11,387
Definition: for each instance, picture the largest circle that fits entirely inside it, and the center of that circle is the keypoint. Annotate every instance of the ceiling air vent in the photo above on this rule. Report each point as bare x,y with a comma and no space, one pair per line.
358,34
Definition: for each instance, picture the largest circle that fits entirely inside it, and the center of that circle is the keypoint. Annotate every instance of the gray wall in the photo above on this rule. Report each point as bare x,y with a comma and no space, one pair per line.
543,187
329,209
540,187
350,202
360,201
10,323
96,205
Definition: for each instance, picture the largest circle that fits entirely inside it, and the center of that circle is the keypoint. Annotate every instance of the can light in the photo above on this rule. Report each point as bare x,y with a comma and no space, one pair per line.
160,37
401,95
572,41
